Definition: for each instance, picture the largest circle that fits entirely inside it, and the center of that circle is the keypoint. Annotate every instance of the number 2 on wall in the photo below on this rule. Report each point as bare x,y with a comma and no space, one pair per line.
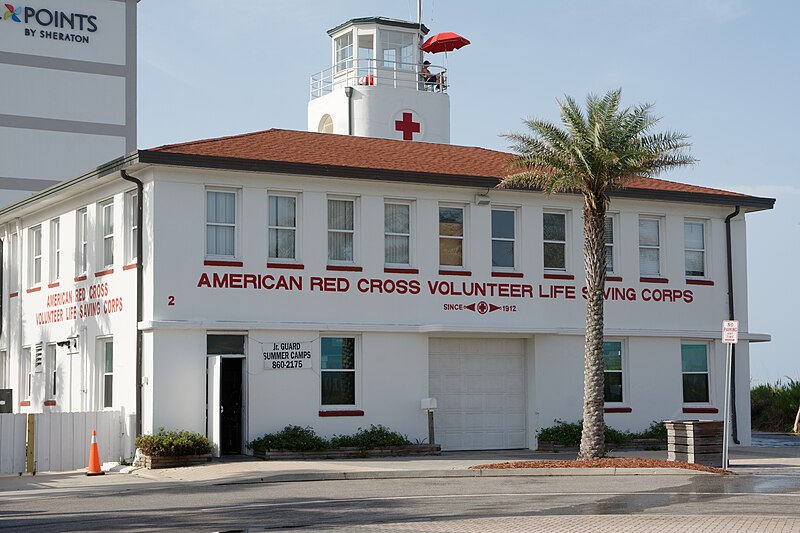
170,300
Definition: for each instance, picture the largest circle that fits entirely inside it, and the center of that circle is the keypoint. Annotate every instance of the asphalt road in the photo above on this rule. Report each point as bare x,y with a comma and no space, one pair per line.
443,504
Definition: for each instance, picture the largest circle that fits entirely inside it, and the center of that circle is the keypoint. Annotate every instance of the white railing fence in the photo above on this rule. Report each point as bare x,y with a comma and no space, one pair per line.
376,72
61,440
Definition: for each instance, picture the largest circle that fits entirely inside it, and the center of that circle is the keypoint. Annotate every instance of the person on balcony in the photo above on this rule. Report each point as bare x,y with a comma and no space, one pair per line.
431,80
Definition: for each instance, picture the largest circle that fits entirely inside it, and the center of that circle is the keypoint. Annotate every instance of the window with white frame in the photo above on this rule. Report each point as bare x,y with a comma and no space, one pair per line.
338,370
26,372
221,223
398,50
13,263
613,372
81,241
451,236
35,241
107,232
503,238
554,234
55,249
282,226
107,366
397,233
343,52
694,370
649,246
132,224
51,369
609,244
5,366
341,229
694,248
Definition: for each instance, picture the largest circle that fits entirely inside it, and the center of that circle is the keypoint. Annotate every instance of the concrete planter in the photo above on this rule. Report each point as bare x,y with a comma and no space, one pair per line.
171,461
695,441
635,444
350,453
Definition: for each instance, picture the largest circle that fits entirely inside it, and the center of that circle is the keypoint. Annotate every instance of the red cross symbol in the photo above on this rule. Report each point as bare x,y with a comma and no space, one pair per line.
407,126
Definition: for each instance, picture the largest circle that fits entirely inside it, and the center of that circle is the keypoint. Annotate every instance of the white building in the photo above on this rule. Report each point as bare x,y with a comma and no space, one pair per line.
335,281
69,90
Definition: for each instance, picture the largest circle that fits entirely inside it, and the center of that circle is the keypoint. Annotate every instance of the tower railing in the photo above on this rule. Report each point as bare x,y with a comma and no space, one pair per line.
377,72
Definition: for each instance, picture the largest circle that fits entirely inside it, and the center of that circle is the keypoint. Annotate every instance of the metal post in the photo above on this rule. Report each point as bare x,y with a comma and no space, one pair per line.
727,410
430,427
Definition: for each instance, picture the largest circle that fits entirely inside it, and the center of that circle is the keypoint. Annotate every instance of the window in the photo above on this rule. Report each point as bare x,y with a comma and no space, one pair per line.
26,371
555,241
338,370
694,245
50,364
649,246
341,230
35,236
397,233
81,242
221,223
612,361
132,223
107,232
609,240
13,263
451,236
4,368
55,249
343,52
398,50
282,232
694,367
326,124
503,238
225,344
107,361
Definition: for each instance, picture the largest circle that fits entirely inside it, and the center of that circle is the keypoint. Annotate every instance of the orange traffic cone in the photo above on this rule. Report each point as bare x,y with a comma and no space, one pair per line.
94,458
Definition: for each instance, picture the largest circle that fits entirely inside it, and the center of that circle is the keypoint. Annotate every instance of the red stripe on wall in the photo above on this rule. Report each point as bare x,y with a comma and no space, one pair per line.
455,273
292,266
344,268
558,276
699,282
81,278
33,289
618,410
104,273
654,280
355,412
613,278
392,270
25,403
50,402
130,267
508,275
53,285
701,410
211,263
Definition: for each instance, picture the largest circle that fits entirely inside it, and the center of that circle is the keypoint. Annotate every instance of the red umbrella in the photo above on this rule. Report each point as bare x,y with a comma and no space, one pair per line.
444,42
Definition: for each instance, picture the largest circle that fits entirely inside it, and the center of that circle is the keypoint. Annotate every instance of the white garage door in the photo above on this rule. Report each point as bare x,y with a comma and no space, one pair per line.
479,385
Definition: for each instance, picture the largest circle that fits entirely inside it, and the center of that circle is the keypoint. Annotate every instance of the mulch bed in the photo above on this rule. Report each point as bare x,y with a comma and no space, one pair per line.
606,462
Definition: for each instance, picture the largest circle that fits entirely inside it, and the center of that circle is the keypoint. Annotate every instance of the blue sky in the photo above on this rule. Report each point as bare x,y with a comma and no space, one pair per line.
724,72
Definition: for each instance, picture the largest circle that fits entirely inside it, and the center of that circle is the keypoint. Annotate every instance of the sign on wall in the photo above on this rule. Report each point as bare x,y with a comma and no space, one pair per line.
286,355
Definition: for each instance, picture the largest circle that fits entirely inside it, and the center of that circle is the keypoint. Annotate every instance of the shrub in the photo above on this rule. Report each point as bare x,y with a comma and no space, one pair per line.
773,407
569,433
179,443
367,439
293,438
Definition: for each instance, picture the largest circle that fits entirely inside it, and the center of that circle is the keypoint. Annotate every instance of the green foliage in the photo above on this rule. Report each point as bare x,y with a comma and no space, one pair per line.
367,439
180,443
297,439
569,433
294,438
773,407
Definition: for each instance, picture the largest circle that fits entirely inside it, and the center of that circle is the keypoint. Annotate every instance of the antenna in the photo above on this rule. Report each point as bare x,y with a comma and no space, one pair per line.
419,13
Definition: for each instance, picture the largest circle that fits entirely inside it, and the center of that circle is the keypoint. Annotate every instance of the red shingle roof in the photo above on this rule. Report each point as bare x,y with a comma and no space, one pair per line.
366,153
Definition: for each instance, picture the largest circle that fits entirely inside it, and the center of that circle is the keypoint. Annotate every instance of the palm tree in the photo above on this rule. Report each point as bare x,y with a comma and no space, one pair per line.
598,150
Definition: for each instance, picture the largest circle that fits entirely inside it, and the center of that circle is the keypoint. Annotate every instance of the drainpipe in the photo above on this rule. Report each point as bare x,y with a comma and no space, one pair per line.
348,91
731,317
139,293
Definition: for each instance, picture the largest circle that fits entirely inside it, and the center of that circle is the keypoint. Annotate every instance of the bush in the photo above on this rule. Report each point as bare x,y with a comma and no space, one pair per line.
294,438
569,433
773,407
297,439
367,439
178,443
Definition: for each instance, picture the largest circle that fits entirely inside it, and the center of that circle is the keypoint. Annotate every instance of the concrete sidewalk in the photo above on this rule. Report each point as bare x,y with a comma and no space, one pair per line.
756,460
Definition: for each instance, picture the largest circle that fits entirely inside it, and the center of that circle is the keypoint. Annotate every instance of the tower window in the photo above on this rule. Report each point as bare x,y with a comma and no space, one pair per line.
326,124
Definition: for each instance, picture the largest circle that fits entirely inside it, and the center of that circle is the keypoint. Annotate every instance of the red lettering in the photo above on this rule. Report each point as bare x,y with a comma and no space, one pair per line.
202,282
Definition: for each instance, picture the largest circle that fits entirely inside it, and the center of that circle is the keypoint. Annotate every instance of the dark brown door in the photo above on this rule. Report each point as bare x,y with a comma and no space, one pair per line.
231,406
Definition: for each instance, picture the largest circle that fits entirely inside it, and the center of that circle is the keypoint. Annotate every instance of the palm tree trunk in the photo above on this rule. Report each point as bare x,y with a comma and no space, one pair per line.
594,259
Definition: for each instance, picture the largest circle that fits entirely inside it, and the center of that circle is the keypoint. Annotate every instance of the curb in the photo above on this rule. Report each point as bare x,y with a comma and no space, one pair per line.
423,474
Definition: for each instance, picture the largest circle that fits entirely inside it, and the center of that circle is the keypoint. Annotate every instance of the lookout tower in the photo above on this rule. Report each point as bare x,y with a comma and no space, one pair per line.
375,88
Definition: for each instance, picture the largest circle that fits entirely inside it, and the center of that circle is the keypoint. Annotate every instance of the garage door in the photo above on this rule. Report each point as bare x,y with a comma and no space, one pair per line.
479,385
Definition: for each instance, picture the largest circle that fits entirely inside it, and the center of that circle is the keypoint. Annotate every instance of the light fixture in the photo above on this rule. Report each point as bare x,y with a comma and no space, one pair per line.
482,199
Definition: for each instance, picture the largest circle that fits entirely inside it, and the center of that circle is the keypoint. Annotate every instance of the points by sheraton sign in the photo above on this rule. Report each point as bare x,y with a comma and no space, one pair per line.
42,23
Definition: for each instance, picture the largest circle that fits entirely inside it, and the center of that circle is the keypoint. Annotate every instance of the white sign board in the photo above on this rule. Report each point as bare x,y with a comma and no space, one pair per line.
730,331
287,355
